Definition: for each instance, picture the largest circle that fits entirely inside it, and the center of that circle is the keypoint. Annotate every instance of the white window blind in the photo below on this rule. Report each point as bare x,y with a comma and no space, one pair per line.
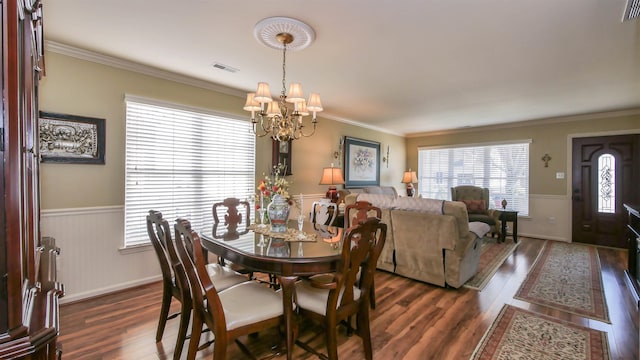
502,168
180,161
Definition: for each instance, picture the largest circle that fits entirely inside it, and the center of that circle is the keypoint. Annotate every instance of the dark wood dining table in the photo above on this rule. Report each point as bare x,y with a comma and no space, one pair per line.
286,259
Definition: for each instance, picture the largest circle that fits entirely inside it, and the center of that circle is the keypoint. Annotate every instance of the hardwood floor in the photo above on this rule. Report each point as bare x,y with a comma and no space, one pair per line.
412,320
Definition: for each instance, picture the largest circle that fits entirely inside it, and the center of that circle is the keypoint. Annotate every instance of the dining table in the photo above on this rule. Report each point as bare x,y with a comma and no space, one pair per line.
299,252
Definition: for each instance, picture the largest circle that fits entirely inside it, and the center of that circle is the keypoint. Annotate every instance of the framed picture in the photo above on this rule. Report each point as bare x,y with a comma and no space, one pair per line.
361,162
282,154
71,139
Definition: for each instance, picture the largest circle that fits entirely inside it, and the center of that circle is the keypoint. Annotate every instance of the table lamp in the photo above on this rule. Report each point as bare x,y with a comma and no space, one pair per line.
409,177
332,176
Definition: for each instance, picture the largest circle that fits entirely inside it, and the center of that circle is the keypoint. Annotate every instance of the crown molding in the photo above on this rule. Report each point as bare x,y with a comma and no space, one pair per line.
362,125
119,63
534,122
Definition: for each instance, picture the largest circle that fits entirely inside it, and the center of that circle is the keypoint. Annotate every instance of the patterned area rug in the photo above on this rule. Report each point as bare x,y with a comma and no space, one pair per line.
521,334
567,277
492,256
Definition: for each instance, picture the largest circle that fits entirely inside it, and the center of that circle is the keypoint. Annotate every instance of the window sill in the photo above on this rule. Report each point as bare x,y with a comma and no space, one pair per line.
133,249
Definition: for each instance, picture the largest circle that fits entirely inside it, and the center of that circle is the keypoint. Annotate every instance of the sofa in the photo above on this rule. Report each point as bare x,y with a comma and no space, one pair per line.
427,240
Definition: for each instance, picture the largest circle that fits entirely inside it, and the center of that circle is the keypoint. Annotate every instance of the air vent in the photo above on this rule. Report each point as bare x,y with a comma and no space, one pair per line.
224,67
632,10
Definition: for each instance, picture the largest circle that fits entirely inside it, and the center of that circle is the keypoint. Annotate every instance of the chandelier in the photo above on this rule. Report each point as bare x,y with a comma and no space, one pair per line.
282,119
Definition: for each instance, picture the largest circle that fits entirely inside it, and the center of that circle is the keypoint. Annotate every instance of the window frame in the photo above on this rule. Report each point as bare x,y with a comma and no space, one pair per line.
197,140
483,159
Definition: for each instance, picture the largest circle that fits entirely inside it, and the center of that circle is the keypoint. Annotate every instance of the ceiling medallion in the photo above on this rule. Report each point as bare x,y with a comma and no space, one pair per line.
282,119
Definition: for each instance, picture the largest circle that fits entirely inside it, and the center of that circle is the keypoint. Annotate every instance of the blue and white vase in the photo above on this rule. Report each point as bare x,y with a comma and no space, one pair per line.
278,211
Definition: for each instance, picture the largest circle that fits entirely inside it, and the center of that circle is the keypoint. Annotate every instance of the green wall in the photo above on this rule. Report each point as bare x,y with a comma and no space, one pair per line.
549,136
85,88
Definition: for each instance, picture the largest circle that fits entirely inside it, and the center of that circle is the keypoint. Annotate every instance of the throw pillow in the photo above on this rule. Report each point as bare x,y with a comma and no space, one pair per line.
475,206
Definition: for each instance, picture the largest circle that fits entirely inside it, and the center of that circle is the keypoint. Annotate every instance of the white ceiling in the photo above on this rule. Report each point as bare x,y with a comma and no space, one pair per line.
406,66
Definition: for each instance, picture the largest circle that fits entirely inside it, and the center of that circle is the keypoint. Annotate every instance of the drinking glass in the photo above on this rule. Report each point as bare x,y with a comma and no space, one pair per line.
261,213
261,243
300,225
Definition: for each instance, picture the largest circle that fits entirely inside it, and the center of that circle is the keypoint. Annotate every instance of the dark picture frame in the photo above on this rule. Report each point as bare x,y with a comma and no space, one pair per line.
361,162
71,139
281,154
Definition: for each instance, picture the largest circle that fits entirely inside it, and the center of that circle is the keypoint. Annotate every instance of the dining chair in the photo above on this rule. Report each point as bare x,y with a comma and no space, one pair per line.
242,309
323,213
231,218
174,279
358,213
229,221
335,298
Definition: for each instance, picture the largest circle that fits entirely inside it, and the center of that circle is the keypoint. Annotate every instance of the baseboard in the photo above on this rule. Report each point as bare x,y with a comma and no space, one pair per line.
543,237
106,290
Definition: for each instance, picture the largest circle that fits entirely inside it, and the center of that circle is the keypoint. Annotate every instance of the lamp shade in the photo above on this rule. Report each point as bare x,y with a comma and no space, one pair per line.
314,103
263,94
409,177
302,108
251,104
295,93
332,176
273,109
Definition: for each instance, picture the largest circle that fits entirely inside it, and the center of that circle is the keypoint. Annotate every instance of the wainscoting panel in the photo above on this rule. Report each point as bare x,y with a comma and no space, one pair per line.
549,218
90,262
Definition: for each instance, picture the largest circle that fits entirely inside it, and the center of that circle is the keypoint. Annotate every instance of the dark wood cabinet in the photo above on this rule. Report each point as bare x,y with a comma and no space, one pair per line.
28,291
633,242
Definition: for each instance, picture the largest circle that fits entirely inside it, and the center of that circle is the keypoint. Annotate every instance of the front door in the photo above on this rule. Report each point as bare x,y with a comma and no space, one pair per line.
605,171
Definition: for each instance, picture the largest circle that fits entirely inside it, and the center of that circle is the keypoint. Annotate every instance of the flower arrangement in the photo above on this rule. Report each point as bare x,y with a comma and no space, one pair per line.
363,159
272,185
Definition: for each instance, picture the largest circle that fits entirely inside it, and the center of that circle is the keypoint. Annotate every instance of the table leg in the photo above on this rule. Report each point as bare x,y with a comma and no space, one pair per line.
503,232
290,325
515,230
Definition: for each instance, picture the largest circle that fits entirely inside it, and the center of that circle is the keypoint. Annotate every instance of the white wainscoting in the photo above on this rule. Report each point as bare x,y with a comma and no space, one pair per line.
90,262
549,218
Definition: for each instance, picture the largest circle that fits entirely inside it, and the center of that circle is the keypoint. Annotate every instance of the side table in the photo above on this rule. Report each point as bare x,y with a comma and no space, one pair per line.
511,216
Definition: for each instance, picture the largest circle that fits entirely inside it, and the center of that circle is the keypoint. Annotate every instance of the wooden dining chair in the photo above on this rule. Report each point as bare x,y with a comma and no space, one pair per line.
243,309
237,212
358,213
174,281
335,298
323,213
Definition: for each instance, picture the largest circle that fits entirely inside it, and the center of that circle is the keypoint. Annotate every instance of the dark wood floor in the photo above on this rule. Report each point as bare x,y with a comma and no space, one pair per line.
412,320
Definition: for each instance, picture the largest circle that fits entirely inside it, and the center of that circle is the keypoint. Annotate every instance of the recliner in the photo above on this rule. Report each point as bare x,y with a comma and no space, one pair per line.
477,200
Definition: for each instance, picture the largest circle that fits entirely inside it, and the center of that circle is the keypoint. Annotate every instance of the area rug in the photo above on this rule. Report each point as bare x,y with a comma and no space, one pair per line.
567,277
492,256
521,334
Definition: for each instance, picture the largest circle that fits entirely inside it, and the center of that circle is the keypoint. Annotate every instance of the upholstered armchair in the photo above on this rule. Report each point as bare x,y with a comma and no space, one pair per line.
477,201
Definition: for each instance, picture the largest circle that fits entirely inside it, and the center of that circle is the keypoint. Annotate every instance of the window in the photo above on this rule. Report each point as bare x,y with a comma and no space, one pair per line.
607,183
181,161
502,168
